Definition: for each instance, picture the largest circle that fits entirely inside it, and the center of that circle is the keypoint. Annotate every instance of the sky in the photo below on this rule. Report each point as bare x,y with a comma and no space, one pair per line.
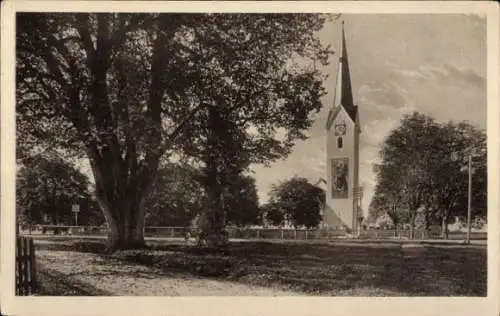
400,63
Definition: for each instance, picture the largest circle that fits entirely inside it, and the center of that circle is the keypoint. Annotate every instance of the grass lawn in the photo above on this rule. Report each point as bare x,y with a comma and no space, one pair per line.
80,267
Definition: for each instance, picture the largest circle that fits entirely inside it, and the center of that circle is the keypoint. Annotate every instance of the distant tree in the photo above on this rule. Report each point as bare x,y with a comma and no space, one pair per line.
175,198
376,208
241,202
126,89
384,221
273,214
300,201
47,187
398,215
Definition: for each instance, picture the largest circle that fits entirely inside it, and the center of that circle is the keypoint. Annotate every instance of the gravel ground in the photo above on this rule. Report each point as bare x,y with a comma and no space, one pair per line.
76,273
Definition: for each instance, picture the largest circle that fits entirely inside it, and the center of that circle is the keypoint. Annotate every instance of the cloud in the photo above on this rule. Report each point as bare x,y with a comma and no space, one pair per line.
379,100
448,73
468,75
376,130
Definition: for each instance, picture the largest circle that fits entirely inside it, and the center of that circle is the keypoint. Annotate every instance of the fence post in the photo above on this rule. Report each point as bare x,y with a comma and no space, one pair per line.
306,234
258,233
281,233
19,265
295,233
34,284
172,232
25,274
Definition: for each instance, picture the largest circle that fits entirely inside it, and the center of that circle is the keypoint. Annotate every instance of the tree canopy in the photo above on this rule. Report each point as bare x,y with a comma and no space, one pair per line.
298,201
241,202
125,90
48,187
424,167
176,198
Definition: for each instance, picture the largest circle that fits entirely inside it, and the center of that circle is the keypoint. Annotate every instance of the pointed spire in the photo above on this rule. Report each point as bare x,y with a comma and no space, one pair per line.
343,89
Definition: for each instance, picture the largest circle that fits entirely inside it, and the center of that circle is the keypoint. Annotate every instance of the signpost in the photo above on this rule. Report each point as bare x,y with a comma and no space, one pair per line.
75,208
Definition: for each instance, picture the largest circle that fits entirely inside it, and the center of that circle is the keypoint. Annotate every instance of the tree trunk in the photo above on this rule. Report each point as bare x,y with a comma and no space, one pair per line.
444,227
213,229
427,219
121,195
125,219
412,225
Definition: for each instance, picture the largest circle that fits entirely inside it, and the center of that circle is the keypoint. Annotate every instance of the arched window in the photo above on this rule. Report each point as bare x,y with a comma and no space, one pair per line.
339,142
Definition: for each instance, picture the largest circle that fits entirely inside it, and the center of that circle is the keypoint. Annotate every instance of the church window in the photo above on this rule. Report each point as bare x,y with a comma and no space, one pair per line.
340,142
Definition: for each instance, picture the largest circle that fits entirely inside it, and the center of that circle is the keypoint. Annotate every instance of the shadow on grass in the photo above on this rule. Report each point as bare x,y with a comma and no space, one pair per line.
322,269
307,268
78,245
54,283
446,271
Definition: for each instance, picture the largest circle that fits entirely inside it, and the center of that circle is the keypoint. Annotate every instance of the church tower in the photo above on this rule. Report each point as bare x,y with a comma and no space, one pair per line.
342,208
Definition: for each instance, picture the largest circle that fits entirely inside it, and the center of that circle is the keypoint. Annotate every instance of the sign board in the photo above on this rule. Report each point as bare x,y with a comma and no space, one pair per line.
75,208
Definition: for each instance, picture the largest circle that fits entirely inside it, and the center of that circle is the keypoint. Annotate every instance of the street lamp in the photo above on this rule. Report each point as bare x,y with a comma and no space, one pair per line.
358,195
454,157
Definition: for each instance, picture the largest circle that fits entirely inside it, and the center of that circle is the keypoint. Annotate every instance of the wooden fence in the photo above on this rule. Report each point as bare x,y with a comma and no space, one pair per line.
268,233
26,281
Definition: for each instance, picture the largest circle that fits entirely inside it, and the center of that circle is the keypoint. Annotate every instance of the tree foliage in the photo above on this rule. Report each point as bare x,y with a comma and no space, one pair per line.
241,202
125,89
273,214
175,197
419,170
299,201
48,187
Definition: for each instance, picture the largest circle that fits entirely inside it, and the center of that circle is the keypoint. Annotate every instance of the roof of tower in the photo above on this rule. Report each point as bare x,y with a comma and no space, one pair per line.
343,89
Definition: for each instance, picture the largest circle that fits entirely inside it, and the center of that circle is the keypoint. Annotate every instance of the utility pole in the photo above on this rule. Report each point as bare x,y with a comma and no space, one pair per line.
455,157
469,206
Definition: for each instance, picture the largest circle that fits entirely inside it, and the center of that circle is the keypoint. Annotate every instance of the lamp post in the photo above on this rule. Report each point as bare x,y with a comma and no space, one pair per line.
469,204
358,195
454,157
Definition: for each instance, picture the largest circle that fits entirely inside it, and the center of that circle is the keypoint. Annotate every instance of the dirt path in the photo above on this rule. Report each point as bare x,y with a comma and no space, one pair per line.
77,273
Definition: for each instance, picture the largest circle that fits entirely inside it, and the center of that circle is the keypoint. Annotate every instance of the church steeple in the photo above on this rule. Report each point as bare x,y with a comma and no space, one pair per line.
342,152
343,89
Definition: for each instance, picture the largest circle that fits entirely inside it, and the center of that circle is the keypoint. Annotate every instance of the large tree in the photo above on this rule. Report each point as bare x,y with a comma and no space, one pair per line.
424,168
449,172
124,90
403,174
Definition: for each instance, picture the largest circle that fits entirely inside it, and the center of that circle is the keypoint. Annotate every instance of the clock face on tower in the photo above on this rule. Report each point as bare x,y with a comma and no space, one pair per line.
340,129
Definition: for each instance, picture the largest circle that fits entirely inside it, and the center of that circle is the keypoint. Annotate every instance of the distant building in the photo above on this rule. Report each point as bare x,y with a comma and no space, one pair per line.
343,195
